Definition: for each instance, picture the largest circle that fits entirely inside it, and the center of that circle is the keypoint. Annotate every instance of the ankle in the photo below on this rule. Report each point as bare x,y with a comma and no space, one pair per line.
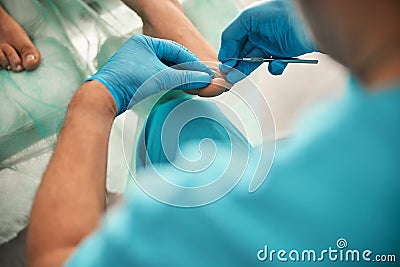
152,10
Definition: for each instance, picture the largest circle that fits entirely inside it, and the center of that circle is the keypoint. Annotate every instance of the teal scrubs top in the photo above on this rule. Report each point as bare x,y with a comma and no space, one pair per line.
331,198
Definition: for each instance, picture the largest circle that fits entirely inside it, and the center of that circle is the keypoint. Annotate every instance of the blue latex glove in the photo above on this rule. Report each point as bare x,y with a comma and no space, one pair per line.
140,68
268,29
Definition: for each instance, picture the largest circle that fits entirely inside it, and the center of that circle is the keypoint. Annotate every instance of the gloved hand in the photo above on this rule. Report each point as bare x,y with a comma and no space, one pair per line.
140,68
264,30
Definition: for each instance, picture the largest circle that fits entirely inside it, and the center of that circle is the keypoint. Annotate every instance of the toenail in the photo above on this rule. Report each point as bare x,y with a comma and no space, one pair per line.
18,68
8,67
30,57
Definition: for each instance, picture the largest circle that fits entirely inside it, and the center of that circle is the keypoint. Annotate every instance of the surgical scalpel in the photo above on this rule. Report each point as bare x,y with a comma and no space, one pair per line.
284,60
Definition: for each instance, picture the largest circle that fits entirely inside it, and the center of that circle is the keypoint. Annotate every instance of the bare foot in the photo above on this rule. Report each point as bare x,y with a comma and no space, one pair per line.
17,52
165,19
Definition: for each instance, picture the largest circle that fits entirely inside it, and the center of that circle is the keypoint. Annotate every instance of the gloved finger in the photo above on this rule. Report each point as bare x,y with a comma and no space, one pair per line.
170,78
235,76
267,45
247,48
232,40
190,80
276,67
173,52
227,66
245,68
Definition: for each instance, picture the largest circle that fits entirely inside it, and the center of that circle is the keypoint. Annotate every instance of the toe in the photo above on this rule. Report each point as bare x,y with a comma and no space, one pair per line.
13,58
3,60
30,57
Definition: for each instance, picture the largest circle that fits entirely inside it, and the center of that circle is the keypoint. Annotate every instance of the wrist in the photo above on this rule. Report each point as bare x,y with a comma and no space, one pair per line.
165,19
